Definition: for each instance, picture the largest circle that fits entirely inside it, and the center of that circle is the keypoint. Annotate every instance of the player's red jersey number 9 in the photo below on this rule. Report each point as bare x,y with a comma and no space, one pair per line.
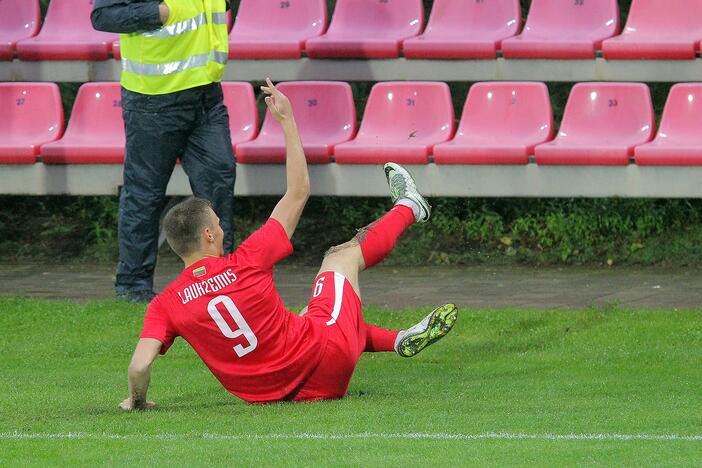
243,329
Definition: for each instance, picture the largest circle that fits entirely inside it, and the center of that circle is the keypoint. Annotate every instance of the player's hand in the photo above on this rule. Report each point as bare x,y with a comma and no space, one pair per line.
163,12
128,405
277,102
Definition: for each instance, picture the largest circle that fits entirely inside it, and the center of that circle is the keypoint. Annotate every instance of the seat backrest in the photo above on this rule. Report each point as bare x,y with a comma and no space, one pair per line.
97,113
574,18
682,116
324,110
306,18
381,18
504,112
679,18
243,113
32,112
71,18
407,112
19,19
608,112
499,18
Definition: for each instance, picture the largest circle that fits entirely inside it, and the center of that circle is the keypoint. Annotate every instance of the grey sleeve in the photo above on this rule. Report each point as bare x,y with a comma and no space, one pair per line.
125,16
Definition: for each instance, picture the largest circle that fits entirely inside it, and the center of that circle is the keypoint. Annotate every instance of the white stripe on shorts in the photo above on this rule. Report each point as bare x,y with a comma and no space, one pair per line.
339,280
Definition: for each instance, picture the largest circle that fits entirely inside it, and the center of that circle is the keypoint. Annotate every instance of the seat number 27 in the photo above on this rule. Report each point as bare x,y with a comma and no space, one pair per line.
243,327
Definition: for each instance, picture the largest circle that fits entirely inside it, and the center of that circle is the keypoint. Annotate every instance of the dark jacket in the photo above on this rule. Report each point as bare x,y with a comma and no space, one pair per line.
126,16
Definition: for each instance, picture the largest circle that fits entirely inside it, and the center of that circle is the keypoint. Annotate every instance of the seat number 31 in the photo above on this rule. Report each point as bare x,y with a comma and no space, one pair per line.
243,327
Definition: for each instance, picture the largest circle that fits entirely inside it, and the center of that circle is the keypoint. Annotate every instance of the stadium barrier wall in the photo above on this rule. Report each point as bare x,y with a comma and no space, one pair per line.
368,180
399,69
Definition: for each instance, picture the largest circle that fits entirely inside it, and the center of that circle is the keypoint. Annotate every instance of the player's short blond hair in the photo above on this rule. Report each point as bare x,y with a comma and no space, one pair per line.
184,223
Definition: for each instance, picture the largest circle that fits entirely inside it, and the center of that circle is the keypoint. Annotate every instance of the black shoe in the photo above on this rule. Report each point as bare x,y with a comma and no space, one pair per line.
136,297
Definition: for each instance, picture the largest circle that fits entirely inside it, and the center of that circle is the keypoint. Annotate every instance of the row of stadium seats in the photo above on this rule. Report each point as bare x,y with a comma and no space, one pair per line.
502,123
457,29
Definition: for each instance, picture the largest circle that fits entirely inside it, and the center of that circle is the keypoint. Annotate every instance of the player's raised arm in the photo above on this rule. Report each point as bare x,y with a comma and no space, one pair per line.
139,374
289,208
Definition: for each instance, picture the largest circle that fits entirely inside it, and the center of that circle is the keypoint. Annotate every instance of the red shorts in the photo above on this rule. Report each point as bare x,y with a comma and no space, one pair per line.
337,307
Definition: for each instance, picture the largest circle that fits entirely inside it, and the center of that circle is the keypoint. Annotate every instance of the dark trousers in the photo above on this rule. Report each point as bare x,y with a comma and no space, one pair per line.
192,126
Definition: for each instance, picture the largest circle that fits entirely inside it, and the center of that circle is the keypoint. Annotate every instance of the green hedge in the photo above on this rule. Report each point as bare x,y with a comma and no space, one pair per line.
462,231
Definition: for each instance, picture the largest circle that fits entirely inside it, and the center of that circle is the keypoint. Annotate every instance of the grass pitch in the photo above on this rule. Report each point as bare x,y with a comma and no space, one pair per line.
596,387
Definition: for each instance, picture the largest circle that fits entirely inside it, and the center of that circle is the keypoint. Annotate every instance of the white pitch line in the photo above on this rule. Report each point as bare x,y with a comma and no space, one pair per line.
361,435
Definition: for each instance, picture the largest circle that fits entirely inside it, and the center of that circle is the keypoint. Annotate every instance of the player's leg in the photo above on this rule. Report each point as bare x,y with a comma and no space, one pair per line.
369,247
336,296
374,242
409,203
378,239
341,268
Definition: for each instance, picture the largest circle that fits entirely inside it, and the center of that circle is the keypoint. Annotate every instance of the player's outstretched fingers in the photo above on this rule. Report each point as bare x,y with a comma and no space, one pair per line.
270,88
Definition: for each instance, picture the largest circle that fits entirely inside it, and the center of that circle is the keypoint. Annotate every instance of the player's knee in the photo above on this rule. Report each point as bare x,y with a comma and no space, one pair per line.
341,250
348,252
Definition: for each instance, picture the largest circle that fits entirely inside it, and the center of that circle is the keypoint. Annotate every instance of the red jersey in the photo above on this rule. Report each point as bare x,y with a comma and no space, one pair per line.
229,311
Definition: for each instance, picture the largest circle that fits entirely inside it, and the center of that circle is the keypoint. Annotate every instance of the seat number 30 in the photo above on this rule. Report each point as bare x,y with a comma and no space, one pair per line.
243,329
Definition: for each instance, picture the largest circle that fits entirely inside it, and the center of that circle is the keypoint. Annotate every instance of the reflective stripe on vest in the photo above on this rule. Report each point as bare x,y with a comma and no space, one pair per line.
148,69
188,25
177,29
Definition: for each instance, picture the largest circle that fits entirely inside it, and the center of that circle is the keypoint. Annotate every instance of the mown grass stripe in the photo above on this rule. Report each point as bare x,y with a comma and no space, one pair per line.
361,435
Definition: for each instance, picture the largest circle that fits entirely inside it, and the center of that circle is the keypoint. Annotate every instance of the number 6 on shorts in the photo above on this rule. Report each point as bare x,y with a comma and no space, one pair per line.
319,285
243,329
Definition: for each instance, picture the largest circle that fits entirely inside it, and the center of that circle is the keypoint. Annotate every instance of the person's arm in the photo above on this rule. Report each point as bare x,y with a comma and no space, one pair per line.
289,209
139,374
124,16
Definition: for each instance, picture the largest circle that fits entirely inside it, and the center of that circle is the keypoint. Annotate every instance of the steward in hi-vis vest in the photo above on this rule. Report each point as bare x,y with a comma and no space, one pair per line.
174,53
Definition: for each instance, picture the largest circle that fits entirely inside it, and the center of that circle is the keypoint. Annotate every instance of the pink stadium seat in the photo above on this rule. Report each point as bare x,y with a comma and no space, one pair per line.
679,139
564,29
368,29
32,115
67,34
271,29
325,115
19,19
602,124
95,132
402,123
243,114
658,30
501,124
458,29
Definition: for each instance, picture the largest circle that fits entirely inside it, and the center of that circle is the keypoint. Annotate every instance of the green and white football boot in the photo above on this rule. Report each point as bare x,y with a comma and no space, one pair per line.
402,186
430,330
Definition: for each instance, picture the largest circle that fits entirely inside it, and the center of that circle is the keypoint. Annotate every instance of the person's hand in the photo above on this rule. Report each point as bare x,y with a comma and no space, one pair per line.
163,12
128,405
277,102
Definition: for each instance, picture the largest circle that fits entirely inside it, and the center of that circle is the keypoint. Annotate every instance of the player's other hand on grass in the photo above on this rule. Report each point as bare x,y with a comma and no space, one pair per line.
277,102
128,405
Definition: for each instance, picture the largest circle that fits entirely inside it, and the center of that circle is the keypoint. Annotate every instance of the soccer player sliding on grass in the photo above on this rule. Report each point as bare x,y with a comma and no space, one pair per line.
228,309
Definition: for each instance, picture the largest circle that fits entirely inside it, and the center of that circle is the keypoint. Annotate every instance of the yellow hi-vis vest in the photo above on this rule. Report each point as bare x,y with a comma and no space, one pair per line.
190,50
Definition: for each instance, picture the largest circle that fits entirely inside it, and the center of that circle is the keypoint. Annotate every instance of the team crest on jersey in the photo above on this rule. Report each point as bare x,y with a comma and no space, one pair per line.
198,272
